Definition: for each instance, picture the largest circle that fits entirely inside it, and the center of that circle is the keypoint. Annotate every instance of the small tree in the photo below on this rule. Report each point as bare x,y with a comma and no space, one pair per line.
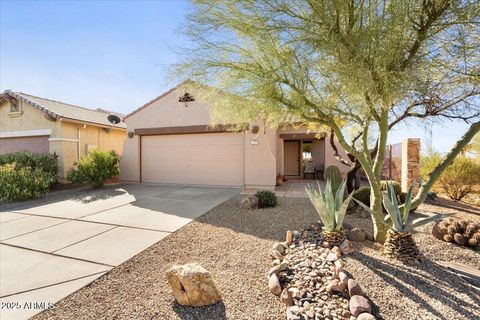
358,68
95,168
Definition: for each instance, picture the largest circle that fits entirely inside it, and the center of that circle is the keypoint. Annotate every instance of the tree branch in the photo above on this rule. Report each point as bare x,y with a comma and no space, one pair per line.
446,161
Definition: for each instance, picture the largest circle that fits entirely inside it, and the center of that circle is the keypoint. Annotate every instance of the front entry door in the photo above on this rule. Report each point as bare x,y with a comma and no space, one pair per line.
291,153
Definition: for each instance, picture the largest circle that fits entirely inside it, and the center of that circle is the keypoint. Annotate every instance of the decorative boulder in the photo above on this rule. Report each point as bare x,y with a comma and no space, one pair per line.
366,316
354,288
249,202
358,305
357,235
274,284
192,285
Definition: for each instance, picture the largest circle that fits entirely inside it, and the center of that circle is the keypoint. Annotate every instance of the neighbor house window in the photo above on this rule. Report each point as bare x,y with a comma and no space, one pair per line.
14,106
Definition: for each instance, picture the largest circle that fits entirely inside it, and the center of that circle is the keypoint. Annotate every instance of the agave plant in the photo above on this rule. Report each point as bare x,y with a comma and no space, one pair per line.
331,208
399,242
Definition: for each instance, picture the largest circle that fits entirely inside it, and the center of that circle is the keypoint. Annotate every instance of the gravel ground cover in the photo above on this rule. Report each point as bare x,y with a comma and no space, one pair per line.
234,245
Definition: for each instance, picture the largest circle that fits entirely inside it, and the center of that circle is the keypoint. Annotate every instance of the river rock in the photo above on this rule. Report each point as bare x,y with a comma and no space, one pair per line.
346,247
354,288
358,305
366,316
192,285
289,237
279,247
274,285
286,298
335,286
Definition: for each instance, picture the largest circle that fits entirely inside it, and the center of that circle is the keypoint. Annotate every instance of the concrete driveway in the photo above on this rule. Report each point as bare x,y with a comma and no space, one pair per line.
50,250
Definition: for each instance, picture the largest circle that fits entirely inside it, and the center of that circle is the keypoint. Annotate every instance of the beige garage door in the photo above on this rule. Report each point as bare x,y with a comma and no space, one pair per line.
34,144
205,159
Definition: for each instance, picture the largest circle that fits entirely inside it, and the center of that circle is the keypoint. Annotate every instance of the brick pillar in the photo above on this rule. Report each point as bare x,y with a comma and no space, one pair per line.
410,163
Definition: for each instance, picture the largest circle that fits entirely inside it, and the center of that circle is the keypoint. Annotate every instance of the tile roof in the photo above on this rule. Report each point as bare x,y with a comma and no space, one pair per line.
57,109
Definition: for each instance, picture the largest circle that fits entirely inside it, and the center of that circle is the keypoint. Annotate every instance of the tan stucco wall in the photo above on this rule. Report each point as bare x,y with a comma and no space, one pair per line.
330,159
260,159
86,134
31,119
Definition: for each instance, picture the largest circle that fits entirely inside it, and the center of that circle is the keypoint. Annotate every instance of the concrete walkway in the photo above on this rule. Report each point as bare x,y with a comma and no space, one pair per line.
50,250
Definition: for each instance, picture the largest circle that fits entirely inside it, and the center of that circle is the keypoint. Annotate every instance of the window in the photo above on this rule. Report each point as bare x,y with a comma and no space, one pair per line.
307,149
14,107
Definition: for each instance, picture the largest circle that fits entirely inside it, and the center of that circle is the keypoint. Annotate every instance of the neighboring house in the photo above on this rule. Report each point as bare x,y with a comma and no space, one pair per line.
172,142
46,126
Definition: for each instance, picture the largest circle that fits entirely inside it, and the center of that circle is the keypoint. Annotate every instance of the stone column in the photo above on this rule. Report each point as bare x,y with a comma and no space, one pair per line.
410,163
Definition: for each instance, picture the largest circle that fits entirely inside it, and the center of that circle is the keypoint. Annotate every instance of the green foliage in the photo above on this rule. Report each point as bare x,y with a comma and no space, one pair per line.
22,183
395,184
362,195
35,161
95,168
307,147
266,199
357,70
330,205
460,178
398,215
333,174
428,162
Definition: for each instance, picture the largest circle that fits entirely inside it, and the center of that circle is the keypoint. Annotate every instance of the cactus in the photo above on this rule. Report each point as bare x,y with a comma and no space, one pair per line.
331,208
399,242
396,186
362,195
447,238
462,232
333,174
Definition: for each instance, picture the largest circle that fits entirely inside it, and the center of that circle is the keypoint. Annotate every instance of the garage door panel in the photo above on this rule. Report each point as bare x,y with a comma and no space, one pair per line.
205,159
38,144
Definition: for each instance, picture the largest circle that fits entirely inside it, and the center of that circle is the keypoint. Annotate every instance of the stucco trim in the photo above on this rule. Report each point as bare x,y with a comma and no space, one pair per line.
25,133
181,130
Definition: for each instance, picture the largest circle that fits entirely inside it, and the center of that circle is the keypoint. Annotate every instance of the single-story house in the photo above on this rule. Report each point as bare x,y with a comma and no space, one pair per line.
171,140
42,125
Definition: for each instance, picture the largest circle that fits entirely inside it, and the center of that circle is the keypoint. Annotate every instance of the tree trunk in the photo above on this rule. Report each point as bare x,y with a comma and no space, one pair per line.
379,227
353,178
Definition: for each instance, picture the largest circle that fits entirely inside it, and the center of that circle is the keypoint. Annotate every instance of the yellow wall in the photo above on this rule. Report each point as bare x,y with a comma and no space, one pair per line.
30,119
63,140
87,135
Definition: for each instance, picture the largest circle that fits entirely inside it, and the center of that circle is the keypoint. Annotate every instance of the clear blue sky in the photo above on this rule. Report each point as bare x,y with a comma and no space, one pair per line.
110,54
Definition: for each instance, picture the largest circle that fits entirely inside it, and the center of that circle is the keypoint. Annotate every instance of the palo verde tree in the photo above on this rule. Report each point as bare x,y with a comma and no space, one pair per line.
337,64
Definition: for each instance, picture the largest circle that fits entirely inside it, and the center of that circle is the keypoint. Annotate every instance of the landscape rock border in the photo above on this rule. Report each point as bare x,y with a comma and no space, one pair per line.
310,278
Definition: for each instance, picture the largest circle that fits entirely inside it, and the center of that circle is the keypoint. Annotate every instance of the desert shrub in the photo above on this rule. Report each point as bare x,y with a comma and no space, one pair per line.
95,168
36,161
266,199
428,162
460,178
22,183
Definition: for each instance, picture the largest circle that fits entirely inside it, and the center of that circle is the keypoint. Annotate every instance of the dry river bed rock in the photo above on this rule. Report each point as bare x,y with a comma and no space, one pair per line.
234,244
